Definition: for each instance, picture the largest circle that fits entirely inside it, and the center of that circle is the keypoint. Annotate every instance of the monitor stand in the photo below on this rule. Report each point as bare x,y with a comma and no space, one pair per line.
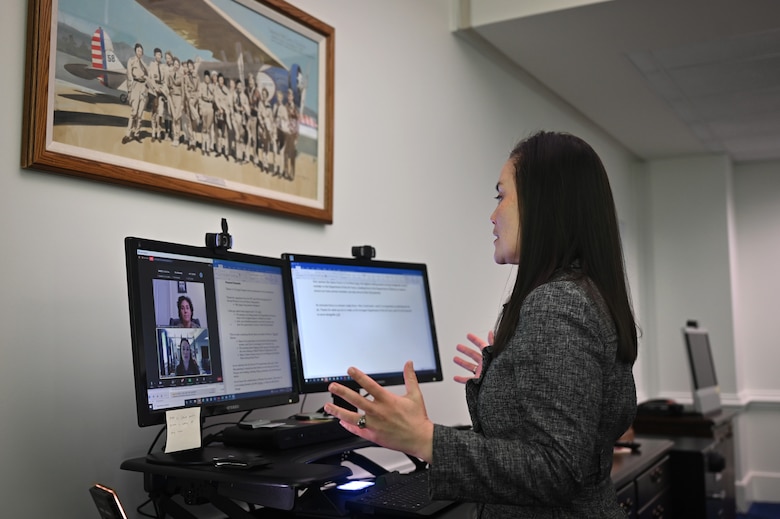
322,415
199,456
707,400
208,456
340,402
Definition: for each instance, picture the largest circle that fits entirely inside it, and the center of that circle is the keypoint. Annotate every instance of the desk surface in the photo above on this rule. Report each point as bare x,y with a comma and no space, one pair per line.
295,469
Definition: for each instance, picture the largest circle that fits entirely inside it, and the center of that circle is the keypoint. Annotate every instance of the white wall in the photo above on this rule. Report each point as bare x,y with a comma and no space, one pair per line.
689,267
756,195
757,344
422,125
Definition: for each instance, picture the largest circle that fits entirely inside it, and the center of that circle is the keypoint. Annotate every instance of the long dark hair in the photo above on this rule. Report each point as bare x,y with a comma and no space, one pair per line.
567,216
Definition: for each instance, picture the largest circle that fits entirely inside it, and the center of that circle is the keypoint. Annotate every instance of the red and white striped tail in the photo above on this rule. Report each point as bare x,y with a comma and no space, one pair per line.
98,52
308,121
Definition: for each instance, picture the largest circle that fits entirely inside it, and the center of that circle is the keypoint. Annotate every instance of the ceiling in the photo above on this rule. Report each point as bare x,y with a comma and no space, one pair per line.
666,78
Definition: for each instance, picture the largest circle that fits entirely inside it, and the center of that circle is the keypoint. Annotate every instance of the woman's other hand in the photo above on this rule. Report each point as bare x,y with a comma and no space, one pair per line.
473,362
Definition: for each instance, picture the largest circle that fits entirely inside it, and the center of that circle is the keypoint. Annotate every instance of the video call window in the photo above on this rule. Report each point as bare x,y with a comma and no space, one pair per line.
183,354
182,292
182,334
179,303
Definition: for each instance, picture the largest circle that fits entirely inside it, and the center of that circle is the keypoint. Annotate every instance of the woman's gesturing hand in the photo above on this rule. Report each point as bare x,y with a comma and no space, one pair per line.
474,361
397,422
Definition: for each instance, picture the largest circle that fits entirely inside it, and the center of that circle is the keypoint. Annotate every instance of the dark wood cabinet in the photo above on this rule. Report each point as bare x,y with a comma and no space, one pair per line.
701,461
643,480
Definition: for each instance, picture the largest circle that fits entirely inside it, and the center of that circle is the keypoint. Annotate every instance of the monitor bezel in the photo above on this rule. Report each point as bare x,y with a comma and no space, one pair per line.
147,417
394,378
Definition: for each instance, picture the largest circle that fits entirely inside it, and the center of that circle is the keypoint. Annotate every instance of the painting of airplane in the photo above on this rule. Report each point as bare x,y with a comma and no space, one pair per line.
268,147
105,66
242,56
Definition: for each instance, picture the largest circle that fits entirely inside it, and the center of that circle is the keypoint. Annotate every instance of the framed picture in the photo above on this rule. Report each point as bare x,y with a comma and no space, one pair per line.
223,100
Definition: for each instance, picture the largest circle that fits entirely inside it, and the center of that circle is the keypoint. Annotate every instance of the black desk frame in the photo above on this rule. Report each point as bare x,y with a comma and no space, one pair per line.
277,488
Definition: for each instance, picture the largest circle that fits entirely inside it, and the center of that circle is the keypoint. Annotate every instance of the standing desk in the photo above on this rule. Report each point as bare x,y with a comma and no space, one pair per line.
279,486
276,486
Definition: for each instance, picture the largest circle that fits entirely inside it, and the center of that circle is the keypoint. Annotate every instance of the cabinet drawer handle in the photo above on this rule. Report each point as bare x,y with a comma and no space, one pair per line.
718,495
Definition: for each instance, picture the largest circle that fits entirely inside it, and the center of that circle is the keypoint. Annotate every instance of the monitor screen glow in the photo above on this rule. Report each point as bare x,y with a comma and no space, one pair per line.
374,315
208,330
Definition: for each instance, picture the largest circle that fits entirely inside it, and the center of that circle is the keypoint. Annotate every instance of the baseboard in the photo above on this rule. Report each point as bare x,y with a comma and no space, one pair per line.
758,487
761,399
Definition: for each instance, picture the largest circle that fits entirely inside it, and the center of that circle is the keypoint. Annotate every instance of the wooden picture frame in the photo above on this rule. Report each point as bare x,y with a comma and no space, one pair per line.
81,115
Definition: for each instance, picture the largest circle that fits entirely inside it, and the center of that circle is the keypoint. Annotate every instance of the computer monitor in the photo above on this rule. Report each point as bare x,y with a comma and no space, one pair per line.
209,329
706,392
374,315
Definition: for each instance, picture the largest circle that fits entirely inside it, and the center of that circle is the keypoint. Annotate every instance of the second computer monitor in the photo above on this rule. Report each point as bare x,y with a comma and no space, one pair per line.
374,315
706,392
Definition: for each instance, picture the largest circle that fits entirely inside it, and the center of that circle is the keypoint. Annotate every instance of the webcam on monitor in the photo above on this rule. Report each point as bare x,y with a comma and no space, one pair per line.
363,252
222,241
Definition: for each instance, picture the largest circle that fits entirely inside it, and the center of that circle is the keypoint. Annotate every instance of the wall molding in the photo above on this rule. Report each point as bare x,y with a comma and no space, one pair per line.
769,399
763,399
757,487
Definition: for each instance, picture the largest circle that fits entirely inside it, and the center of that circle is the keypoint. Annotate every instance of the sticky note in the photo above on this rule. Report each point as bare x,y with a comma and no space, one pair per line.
183,429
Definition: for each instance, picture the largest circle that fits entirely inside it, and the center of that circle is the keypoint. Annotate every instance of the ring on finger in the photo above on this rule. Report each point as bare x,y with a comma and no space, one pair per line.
362,422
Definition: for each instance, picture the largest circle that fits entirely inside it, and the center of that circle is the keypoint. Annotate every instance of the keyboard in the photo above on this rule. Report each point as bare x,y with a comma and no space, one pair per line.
400,495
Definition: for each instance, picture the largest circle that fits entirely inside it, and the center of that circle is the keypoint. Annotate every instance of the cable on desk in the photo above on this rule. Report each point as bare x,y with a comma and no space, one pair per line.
151,447
141,512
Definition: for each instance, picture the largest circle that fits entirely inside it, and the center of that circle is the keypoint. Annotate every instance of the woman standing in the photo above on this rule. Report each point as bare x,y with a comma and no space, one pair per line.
554,391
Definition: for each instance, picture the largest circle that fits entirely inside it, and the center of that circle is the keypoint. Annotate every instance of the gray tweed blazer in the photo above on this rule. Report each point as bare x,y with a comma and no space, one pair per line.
546,413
